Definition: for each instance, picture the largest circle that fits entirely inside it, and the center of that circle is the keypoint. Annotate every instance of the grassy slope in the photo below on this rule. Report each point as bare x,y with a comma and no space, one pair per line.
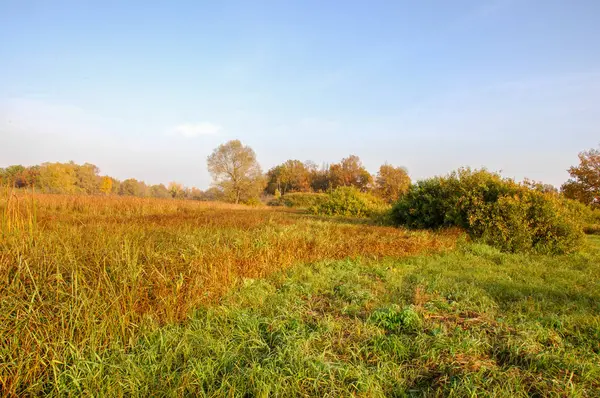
473,321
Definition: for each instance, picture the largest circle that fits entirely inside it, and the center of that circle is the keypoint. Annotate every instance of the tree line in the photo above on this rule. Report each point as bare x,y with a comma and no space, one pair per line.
238,178
238,175
72,178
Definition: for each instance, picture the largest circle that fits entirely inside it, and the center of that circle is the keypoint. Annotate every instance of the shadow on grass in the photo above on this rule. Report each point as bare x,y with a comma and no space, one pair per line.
549,298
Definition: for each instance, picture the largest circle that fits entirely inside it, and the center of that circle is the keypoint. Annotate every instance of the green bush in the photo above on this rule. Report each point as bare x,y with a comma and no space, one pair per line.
589,216
350,202
303,200
497,211
394,319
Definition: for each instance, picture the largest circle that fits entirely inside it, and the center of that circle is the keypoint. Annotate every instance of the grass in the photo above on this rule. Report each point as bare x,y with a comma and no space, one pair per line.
474,322
80,274
132,297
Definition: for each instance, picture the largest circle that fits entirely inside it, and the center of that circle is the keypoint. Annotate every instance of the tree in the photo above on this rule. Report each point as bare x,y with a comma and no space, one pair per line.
87,178
58,178
176,190
235,170
291,176
320,179
391,182
160,191
116,186
584,184
31,176
133,187
350,172
194,193
106,185
213,194
15,176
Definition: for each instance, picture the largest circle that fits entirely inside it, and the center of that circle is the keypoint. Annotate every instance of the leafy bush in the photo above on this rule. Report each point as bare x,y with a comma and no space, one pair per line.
350,202
497,211
253,201
299,199
394,319
589,216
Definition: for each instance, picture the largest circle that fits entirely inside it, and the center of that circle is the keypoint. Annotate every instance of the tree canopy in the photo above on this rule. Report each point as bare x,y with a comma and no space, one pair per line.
350,172
584,184
291,176
391,182
236,171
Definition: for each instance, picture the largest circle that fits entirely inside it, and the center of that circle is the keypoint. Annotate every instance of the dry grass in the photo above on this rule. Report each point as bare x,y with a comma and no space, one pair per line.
80,273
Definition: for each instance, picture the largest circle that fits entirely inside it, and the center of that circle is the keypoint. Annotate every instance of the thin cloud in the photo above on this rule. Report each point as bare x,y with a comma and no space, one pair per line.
190,130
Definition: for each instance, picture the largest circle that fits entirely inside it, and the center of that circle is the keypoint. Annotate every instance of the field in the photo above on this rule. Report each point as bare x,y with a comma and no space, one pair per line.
105,296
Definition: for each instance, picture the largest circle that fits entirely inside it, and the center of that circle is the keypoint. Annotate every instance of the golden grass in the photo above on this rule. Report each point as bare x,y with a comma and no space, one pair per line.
78,273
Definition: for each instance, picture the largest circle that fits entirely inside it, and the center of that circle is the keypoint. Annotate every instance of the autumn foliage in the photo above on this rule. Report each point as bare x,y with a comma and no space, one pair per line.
584,184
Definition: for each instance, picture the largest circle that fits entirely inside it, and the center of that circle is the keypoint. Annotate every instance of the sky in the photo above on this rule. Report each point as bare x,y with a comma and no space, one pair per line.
147,89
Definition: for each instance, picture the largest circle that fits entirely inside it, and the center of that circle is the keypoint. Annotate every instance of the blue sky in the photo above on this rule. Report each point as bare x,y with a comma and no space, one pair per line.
147,89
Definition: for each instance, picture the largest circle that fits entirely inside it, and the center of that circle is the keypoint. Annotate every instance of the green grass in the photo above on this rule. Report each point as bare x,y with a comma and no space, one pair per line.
472,322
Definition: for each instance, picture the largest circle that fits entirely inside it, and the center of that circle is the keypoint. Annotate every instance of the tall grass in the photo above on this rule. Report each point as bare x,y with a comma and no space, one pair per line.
81,274
18,213
471,322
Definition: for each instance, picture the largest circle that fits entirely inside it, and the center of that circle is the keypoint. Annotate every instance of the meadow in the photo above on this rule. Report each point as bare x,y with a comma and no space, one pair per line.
107,296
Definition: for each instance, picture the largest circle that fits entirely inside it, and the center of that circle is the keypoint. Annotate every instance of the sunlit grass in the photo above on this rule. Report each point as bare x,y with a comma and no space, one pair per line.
82,274
473,322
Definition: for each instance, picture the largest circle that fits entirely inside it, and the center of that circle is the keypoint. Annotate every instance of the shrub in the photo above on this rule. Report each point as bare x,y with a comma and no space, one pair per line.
350,202
253,201
589,216
497,211
394,319
303,200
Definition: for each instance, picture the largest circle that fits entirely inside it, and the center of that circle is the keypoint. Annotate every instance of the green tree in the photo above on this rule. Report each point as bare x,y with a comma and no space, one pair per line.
391,182
235,170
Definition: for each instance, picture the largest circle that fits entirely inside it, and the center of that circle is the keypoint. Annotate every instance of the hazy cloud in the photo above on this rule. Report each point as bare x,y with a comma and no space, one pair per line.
190,130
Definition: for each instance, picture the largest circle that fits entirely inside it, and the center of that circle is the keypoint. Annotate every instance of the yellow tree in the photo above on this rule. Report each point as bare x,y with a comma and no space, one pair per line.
58,178
106,185
391,182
